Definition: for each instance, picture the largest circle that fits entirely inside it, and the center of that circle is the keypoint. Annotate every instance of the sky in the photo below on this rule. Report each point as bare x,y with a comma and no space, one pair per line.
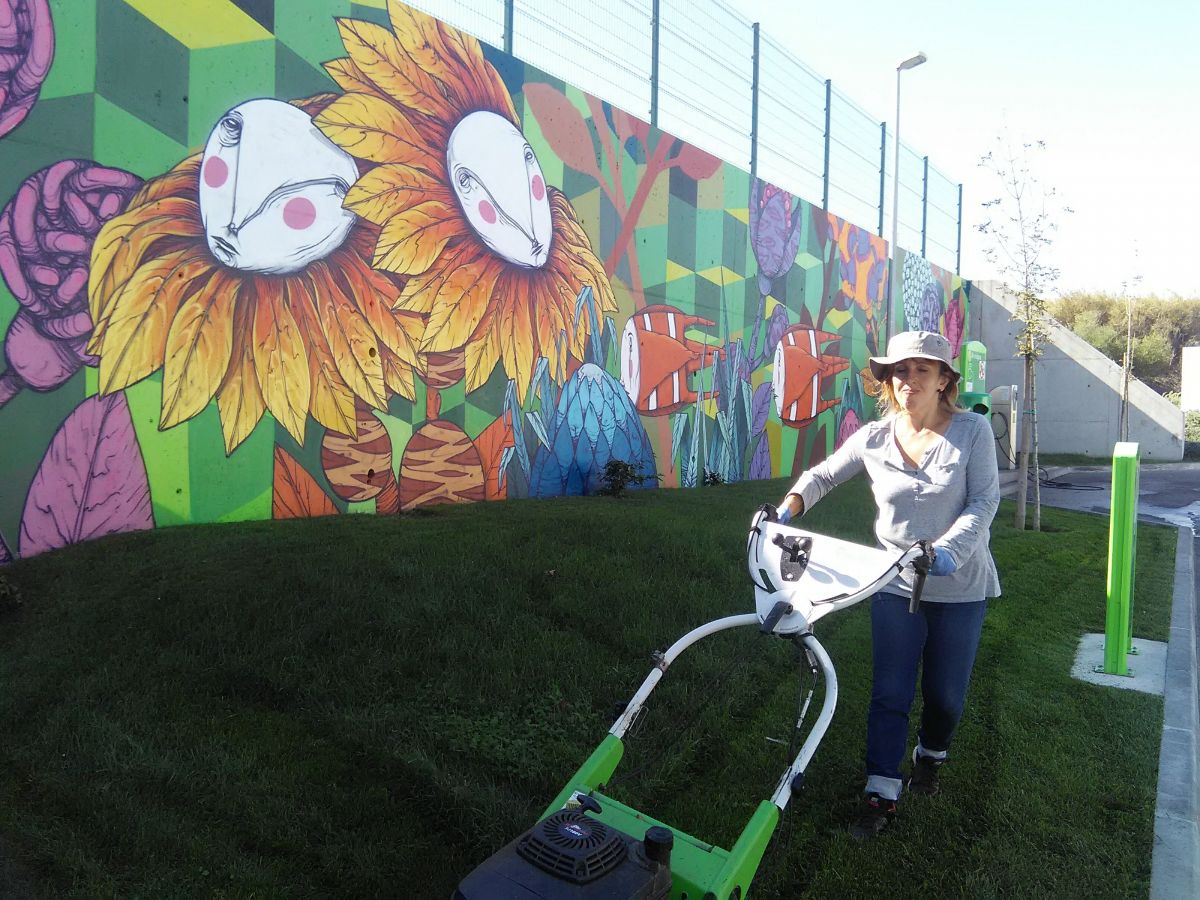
1112,88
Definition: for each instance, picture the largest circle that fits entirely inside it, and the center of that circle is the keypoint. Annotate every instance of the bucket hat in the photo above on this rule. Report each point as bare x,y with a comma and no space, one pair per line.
914,344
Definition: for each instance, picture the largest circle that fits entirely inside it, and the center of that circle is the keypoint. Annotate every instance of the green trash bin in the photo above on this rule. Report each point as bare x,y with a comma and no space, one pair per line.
972,389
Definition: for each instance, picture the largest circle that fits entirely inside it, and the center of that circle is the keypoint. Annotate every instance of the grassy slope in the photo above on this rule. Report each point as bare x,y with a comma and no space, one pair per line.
359,706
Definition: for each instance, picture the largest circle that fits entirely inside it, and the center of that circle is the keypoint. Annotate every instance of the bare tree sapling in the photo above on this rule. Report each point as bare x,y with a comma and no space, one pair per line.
1019,230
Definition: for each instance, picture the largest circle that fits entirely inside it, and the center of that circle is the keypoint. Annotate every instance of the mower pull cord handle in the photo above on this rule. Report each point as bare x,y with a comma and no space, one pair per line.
921,566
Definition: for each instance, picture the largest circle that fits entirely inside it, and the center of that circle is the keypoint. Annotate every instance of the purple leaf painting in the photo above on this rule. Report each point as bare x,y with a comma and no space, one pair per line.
5,554
776,326
760,463
91,482
762,407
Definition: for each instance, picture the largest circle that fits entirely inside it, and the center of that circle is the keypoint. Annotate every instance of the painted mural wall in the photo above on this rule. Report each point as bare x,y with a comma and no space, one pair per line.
929,298
274,259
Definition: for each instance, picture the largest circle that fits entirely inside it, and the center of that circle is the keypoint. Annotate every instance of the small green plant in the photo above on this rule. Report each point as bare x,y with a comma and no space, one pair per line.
619,475
1191,425
712,477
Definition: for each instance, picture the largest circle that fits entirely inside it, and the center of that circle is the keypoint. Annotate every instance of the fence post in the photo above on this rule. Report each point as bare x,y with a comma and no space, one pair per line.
753,108
924,204
653,65
508,26
828,115
882,171
1122,559
958,255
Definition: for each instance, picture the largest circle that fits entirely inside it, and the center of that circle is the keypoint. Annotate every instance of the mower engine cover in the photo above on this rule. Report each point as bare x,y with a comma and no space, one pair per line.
570,856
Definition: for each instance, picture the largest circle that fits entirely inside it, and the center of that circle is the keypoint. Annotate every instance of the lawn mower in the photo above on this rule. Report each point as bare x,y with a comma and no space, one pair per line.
589,846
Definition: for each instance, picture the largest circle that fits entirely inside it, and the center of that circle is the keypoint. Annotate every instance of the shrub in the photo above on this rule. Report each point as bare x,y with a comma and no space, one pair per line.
1191,434
618,476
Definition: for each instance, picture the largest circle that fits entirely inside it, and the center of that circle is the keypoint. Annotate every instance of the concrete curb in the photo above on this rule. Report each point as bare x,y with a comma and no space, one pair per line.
1175,866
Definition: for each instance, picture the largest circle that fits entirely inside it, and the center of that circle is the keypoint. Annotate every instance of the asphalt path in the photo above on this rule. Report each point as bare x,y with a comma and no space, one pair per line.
1168,493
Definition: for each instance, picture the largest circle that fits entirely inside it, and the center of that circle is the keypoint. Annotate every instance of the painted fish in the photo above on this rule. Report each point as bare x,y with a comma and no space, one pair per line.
800,366
657,359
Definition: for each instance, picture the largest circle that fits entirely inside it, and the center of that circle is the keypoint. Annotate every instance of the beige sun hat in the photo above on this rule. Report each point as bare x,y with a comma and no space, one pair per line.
914,344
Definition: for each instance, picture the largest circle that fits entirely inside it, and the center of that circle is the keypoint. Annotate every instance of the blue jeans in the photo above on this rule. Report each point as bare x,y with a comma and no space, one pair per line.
942,639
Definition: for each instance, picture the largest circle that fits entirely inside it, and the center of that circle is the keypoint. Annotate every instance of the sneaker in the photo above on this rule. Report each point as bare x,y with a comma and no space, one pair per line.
875,814
924,777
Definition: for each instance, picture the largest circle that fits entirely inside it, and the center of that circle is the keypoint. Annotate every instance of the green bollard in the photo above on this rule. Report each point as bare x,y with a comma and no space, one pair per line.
1122,557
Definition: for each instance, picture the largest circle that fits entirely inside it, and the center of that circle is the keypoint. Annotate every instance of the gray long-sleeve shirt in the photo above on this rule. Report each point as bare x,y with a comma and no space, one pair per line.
950,498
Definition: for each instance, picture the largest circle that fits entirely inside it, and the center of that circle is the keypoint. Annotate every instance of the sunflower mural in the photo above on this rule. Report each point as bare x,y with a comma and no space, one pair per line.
464,210
240,276
494,258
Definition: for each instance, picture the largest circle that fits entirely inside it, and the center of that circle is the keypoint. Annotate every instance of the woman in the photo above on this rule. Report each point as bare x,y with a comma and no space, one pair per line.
933,474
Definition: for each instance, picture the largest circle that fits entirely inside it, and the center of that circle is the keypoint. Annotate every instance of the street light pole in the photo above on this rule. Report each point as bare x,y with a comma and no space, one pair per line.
910,63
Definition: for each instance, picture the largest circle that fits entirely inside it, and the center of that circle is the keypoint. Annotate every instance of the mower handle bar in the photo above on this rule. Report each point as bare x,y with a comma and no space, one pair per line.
783,792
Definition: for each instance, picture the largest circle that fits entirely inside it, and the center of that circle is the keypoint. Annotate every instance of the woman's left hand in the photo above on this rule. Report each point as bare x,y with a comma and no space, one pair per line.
943,562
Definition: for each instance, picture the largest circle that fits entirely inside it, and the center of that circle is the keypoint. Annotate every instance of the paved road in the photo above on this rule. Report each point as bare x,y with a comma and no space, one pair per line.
1169,492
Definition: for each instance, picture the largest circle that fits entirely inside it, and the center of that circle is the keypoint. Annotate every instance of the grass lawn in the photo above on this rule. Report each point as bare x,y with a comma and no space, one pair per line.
365,706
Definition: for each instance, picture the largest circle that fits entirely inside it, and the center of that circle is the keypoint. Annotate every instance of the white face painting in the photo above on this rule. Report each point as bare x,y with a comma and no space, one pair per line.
631,361
501,188
778,377
271,189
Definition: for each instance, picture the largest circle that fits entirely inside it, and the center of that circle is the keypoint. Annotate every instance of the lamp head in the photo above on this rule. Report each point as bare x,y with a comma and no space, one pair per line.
912,62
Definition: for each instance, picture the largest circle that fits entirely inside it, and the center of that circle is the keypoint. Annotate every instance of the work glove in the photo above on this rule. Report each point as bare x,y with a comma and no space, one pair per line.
943,562
785,515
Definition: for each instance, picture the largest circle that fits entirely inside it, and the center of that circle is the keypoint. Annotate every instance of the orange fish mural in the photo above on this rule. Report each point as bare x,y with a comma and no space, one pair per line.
658,359
800,367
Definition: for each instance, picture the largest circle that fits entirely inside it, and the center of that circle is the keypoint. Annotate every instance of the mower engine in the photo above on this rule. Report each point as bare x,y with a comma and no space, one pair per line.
571,856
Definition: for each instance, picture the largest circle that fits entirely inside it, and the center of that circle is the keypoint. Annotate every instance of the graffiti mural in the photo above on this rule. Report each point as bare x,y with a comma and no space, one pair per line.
929,298
282,264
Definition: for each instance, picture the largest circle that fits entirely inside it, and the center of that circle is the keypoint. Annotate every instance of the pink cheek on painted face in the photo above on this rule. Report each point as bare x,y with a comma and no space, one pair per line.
488,212
216,172
539,187
299,213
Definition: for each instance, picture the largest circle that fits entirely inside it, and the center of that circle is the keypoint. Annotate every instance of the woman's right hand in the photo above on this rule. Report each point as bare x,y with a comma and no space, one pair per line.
791,506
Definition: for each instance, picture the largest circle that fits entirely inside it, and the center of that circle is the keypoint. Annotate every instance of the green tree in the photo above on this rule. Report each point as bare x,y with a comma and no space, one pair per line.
1162,327
1090,325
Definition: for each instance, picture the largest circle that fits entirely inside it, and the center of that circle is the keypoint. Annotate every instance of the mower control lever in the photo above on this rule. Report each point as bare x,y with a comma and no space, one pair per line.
778,611
921,566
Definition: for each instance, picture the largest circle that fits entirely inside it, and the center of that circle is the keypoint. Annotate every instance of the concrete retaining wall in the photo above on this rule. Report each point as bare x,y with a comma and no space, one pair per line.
1079,388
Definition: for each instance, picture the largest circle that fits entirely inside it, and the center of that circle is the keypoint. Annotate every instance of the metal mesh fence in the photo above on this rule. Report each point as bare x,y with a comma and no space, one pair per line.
705,95
482,18
854,160
791,121
706,68
561,39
